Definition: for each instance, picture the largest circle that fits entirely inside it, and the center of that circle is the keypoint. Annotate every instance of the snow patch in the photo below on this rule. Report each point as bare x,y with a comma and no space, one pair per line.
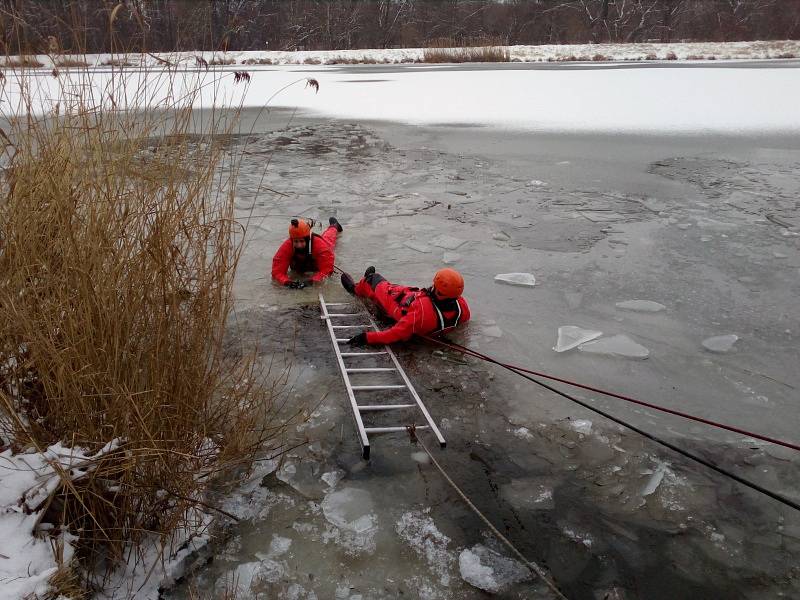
418,530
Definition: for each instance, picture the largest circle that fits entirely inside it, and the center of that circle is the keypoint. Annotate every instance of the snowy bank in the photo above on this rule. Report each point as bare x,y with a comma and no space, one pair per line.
754,50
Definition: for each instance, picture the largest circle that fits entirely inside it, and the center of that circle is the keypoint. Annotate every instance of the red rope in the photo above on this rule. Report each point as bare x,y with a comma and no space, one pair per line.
470,352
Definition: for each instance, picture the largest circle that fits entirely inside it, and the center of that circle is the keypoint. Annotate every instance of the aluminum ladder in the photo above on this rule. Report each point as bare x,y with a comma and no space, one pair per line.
349,364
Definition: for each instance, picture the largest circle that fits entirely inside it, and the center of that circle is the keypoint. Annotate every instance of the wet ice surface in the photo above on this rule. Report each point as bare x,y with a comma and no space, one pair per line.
617,345
605,510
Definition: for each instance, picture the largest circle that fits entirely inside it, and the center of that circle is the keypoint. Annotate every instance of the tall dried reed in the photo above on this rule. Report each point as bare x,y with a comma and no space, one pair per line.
480,49
118,251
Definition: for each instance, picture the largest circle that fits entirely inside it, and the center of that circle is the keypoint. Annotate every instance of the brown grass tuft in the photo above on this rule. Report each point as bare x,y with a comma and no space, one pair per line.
117,62
22,62
66,62
257,61
482,49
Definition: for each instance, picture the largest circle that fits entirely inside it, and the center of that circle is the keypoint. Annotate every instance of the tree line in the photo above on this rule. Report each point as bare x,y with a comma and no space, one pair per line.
45,26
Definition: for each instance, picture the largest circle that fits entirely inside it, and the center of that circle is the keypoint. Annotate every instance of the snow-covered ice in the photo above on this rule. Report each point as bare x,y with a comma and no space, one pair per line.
618,345
450,258
487,570
570,336
641,305
720,343
520,279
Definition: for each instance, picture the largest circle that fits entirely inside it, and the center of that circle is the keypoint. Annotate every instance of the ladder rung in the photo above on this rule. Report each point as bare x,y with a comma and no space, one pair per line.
371,370
362,353
329,315
364,407
335,303
369,388
392,429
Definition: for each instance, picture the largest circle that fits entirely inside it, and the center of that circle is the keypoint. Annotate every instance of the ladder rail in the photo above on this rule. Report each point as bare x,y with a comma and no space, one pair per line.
351,389
354,405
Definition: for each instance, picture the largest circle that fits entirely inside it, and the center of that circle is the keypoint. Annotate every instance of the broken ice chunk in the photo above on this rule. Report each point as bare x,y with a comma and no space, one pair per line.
487,570
418,246
349,508
451,257
583,426
447,242
332,477
522,279
655,480
501,236
618,345
641,305
720,343
570,336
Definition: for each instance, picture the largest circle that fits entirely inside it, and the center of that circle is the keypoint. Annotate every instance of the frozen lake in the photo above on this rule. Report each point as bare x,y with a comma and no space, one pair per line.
659,242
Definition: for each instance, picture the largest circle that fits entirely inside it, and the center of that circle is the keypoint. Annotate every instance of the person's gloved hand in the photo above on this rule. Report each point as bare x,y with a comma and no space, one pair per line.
295,285
359,339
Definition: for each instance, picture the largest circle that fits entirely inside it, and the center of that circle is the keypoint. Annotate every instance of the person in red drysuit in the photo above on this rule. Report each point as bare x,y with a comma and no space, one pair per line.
415,311
305,252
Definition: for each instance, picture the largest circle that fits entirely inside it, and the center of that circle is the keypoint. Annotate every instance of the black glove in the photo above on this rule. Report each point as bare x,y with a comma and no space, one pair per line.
359,339
295,285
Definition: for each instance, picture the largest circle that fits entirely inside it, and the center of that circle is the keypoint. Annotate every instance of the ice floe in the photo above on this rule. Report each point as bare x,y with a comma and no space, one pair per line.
520,279
641,305
570,336
720,343
447,242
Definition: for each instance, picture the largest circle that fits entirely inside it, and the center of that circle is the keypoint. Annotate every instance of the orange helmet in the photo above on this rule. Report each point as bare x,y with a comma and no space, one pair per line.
299,228
449,283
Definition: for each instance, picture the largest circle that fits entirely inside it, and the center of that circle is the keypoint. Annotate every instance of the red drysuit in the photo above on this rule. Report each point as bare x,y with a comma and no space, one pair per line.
412,309
317,257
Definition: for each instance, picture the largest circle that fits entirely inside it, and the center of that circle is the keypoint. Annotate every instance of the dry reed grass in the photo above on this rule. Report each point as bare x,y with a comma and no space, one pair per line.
118,251
64,62
21,62
448,50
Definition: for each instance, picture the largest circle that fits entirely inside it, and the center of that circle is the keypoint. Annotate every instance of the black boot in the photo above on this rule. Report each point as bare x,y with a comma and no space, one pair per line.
369,271
348,284
335,222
